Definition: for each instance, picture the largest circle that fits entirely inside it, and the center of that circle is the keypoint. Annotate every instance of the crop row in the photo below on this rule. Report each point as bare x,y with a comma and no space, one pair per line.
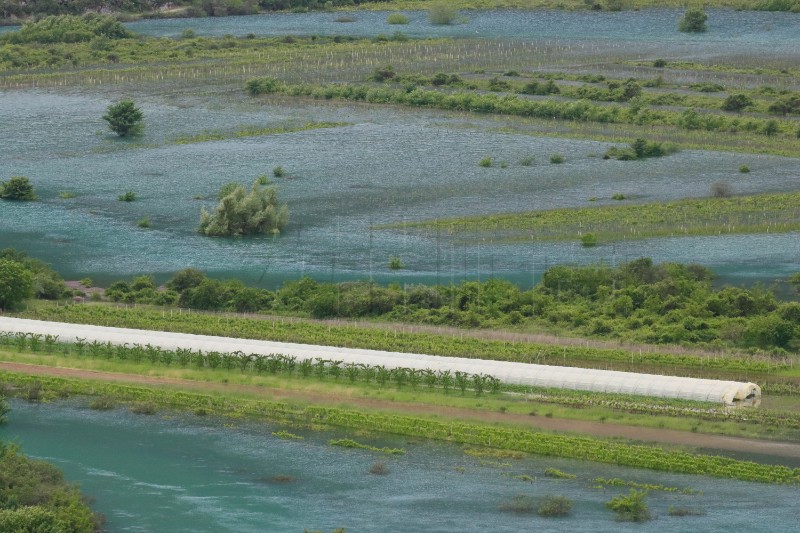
442,381
581,111
455,345
538,443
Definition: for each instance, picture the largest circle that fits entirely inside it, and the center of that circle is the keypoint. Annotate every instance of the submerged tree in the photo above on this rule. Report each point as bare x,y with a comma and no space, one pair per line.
124,118
17,188
693,21
240,213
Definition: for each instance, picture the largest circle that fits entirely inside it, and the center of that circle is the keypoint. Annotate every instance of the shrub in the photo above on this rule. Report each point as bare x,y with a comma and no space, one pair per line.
554,506
721,189
618,196
17,188
67,195
379,468
693,21
128,196
239,213
397,18
556,159
442,13
630,508
660,63
124,118
736,102
16,283
486,162
143,223
589,239
102,403
395,263
521,503
526,161
144,408
744,169
278,172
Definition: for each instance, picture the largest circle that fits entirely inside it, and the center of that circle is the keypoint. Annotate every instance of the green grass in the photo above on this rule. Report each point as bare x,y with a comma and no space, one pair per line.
764,213
495,436
254,131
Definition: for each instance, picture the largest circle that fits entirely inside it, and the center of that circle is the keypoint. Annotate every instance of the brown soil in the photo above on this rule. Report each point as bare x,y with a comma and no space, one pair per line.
597,429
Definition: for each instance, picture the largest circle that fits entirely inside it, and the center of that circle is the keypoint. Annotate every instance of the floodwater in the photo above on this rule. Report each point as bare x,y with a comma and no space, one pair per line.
387,165
183,473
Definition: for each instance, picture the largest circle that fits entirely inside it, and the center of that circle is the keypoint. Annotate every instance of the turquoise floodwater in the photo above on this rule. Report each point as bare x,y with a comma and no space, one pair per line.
181,473
389,165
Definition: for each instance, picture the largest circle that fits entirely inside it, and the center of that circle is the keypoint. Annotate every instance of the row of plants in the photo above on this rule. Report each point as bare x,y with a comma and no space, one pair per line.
317,367
439,381
473,102
539,443
455,344
633,90
760,213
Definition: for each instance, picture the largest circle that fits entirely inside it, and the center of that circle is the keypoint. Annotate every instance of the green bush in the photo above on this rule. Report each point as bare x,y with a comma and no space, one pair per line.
240,213
630,508
17,188
486,162
16,283
397,18
128,196
556,159
588,240
554,506
124,118
693,21
442,13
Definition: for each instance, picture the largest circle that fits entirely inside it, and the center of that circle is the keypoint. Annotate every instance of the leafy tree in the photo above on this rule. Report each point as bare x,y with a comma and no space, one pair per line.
736,102
47,283
240,213
187,278
16,283
17,188
124,118
630,508
693,21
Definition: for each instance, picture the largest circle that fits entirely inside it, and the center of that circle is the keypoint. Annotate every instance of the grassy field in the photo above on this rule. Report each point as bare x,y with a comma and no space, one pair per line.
766,213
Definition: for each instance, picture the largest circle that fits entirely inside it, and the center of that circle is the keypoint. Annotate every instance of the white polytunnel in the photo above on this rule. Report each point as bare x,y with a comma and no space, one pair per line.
705,390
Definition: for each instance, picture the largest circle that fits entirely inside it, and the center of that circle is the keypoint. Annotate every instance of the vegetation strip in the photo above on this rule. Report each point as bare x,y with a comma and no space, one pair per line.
350,443
473,102
254,131
440,382
763,213
583,448
351,336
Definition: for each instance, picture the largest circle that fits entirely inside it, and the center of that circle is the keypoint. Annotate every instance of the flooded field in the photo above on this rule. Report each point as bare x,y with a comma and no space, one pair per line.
184,473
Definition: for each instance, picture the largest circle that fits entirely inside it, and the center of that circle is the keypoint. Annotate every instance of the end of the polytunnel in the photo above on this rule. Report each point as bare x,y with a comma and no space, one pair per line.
745,395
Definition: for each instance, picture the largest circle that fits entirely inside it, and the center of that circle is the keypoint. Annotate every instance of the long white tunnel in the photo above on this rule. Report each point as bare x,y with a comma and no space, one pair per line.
706,390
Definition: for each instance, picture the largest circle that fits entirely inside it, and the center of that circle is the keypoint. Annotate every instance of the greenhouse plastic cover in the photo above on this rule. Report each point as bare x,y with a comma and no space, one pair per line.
708,390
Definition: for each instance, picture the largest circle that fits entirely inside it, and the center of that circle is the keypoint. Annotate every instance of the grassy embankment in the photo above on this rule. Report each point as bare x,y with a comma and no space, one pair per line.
764,213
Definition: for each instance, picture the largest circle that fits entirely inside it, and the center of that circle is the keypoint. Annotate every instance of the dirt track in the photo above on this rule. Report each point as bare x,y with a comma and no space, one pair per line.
598,429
